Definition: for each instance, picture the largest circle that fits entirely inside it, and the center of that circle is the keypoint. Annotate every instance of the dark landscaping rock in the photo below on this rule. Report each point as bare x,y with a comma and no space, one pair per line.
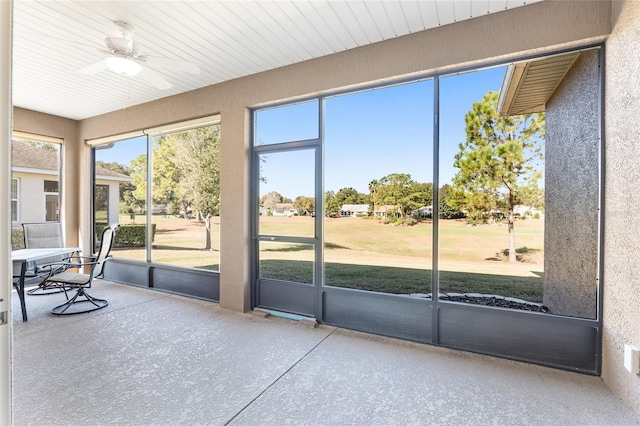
489,300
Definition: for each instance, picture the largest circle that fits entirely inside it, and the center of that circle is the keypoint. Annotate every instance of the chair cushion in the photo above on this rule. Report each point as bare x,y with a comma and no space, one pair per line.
70,278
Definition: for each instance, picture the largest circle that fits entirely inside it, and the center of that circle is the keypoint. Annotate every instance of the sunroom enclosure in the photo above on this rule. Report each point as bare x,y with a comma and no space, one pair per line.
543,27
348,228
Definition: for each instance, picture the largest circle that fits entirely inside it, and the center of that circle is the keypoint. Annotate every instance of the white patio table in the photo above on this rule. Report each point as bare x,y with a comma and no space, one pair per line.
23,257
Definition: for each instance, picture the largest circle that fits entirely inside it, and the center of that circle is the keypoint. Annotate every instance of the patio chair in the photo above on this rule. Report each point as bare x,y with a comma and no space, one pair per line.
45,235
81,301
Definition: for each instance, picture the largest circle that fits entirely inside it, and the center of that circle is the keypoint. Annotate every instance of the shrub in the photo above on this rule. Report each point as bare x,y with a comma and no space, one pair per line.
129,235
125,208
17,238
410,221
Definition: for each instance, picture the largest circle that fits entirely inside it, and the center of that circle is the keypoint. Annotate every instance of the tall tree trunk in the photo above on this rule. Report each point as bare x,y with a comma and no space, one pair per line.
185,212
512,237
207,226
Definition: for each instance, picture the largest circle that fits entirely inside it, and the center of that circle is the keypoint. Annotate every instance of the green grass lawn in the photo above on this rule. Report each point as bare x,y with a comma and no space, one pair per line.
404,280
177,242
368,255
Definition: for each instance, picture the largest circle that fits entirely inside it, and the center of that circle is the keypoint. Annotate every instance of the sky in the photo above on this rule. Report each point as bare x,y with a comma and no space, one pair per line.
371,134
368,135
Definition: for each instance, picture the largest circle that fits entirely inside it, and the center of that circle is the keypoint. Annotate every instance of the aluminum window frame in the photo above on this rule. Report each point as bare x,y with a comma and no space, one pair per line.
589,330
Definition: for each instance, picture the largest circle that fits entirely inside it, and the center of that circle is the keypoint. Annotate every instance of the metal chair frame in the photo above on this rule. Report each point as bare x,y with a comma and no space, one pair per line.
80,281
45,235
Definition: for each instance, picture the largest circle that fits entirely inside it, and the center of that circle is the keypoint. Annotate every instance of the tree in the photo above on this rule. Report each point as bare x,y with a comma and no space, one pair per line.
186,171
373,187
421,194
496,163
126,188
445,211
304,205
45,146
270,199
198,152
349,196
170,185
331,206
138,167
333,201
402,192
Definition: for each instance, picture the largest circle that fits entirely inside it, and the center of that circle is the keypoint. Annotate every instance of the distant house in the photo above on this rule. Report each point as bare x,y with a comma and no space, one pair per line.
284,209
108,182
425,212
528,212
35,195
348,210
385,211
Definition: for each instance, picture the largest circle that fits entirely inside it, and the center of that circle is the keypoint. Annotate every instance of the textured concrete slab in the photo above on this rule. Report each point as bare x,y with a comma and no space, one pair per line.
169,360
358,379
153,358
39,308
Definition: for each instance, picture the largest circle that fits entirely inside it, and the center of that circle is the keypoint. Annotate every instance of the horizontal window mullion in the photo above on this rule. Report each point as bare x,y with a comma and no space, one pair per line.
288,146
288,239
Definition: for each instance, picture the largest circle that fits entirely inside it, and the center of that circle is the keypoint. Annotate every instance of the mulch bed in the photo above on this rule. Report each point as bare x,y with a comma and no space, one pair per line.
490,300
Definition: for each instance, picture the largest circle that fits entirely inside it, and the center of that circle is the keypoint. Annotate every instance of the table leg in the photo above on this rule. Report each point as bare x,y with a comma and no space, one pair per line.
20,290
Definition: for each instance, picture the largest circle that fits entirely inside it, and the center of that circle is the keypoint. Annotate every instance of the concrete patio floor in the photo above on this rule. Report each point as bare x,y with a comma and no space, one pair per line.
152,358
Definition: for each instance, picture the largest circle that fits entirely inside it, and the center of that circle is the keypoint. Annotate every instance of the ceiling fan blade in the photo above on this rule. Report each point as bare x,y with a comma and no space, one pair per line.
171,64
154,79
93,68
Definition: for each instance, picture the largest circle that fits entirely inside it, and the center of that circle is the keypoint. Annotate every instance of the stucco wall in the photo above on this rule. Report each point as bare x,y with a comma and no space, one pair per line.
621,310
114,200
31,200
571,192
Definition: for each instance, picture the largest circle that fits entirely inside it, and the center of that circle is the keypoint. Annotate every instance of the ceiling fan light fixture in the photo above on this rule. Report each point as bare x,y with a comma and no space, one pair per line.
123,66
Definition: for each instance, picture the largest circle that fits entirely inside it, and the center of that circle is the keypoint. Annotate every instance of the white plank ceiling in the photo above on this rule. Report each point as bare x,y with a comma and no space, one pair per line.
227,39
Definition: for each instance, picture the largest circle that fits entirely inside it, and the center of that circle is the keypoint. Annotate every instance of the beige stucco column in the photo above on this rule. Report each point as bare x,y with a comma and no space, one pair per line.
234,212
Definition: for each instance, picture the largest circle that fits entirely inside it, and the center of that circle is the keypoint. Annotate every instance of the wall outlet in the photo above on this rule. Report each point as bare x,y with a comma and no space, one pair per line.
632,359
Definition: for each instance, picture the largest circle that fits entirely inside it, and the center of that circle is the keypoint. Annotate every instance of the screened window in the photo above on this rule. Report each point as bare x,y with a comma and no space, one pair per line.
288,123
171,217
51,186
120,195
378,180
101,203
14,200
36,164
185,205
504,203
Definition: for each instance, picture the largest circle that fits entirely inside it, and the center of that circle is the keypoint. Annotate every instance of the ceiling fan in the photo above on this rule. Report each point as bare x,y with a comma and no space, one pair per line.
124,57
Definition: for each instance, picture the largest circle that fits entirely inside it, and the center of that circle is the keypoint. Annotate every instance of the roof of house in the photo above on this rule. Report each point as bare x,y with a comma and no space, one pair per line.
283,206
362,208
26,155
385,208
527,86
